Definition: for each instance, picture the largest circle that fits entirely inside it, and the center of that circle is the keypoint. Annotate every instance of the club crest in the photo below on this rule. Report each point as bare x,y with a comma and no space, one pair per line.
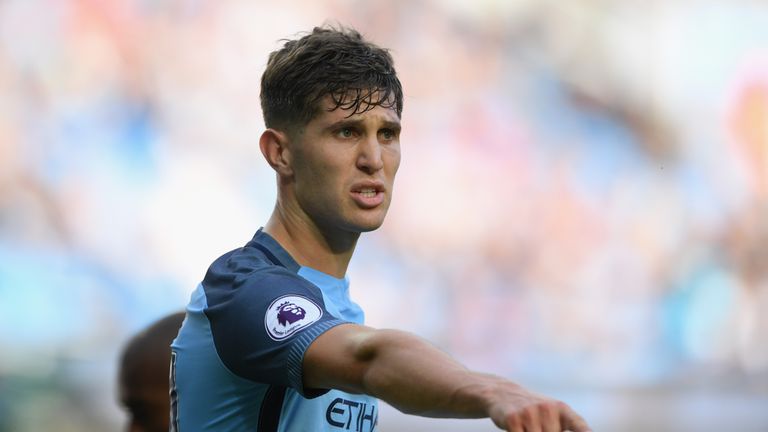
289,314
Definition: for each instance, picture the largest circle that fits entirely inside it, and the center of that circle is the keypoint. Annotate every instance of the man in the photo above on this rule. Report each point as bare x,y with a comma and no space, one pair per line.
143,375
272,341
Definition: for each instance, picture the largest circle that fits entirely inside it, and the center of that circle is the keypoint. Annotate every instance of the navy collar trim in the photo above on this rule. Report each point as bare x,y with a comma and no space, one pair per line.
272,249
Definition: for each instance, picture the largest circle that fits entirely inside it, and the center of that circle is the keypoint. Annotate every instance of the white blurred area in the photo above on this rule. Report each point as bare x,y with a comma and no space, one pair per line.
582,204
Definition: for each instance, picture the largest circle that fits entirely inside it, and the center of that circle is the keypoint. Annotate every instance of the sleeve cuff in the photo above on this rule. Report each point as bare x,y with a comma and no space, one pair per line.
296,356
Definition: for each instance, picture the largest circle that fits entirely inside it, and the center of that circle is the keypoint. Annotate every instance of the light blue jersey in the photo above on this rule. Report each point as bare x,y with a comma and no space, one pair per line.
237,361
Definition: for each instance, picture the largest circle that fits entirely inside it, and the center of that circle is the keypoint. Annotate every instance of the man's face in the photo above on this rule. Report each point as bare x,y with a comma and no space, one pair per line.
344,167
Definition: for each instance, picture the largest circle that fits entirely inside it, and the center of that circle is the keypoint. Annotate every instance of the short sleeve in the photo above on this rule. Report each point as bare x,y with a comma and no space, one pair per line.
262,324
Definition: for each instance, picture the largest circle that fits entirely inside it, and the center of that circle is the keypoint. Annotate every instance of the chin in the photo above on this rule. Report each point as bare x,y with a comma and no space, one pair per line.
366,224
369,228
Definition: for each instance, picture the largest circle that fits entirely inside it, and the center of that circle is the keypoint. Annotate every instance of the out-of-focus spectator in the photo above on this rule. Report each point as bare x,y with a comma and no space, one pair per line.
143,376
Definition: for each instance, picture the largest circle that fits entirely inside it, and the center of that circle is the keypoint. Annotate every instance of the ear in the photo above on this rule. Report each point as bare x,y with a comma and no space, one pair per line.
274,147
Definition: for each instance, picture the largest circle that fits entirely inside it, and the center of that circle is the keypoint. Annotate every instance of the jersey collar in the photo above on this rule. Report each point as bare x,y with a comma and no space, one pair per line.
267,244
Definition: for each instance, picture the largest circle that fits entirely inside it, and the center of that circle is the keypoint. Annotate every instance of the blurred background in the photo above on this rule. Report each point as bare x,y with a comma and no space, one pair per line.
582,204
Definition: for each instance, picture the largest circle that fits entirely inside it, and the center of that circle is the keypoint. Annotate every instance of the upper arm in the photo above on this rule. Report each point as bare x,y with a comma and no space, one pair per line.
339,358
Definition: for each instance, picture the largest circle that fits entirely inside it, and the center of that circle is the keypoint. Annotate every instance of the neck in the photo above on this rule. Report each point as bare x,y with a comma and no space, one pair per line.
325,250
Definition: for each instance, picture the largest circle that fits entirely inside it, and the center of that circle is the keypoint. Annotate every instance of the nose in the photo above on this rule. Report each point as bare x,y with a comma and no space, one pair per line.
369,158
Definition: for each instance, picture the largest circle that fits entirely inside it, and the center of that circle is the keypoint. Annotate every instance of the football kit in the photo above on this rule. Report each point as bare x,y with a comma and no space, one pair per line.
237,360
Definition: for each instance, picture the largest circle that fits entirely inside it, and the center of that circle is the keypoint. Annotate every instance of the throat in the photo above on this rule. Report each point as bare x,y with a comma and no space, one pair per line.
324,250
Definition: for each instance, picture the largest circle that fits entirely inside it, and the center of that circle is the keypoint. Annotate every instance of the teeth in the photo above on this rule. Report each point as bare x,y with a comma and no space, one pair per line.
368,193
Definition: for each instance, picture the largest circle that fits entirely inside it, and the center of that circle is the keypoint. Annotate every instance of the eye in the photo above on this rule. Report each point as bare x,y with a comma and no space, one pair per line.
345,132
387,134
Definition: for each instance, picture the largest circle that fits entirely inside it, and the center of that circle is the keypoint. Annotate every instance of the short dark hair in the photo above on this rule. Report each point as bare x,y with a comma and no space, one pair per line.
358,76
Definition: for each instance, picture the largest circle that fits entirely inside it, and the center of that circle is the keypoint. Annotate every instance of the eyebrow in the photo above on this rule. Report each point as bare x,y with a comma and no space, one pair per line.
386,124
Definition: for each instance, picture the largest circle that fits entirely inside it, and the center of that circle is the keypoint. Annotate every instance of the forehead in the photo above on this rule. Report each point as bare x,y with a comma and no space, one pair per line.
329,112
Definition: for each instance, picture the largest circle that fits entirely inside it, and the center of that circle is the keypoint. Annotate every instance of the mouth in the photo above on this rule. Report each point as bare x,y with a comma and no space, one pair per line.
368,195
367,192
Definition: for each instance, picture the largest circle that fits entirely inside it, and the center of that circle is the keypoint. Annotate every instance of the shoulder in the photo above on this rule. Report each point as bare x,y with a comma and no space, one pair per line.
248,266
245,281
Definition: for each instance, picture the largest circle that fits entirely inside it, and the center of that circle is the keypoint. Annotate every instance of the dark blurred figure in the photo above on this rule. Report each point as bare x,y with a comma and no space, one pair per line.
143,375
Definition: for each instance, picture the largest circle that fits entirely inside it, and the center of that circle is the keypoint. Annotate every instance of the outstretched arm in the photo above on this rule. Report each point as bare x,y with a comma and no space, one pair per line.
417,378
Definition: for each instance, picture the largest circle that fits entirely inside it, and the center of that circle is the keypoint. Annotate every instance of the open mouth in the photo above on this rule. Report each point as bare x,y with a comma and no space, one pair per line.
368,195
367,192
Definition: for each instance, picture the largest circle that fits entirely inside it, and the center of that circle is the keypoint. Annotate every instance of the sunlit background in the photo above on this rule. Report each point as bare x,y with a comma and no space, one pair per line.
582,204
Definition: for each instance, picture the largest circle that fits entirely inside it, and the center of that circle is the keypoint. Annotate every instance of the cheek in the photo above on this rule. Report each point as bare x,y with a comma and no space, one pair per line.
317,178
394,162
328,167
